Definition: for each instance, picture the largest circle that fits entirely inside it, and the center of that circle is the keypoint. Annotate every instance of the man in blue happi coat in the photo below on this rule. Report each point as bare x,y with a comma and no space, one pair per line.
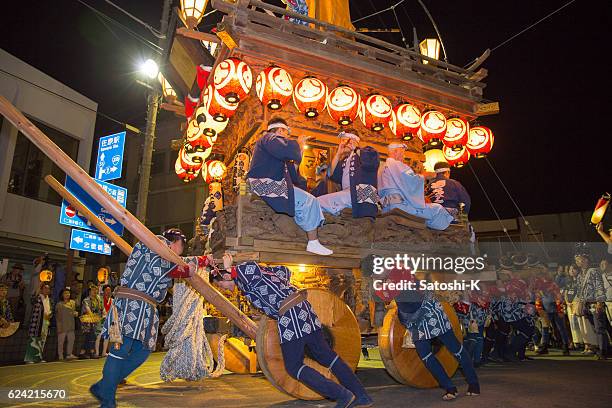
269,289
448,192
144,284
400,187
274,177
355,170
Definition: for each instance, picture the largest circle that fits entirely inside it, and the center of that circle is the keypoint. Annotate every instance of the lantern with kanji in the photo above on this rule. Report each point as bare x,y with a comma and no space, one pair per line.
215,171
433,156
310,96
457,132
457,158
217,106
274,87
480,141
433,128
209,126
103,274
375,111
45,275
241,167
180,171
405,121
343,105
233,79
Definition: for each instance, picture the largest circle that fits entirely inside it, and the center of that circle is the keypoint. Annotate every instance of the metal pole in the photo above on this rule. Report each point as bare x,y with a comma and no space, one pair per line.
153,102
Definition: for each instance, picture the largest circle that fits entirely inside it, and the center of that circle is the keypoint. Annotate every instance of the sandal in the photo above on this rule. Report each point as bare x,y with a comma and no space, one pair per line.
473,390
450,394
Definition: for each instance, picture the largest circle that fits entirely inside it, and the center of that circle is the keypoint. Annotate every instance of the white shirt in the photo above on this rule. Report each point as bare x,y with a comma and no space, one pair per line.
346,178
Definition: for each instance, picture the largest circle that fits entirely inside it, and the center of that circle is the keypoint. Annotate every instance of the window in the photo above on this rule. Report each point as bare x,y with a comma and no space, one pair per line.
159,163
30,166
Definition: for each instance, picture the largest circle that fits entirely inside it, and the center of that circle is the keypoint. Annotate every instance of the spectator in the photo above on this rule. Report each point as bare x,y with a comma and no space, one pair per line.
107,302
16,288
569,295
65,312
39,325
6,315
606,275
91,316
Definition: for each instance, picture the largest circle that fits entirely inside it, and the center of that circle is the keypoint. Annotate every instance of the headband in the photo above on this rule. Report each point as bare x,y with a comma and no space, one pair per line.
442,170
397,146
349,136
278,125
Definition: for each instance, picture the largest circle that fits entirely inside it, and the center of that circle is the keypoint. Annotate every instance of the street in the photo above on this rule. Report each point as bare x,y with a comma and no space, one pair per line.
549,381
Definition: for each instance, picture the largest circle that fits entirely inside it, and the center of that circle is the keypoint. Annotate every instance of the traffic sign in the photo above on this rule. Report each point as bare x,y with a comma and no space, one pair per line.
89,242
110,157
69,216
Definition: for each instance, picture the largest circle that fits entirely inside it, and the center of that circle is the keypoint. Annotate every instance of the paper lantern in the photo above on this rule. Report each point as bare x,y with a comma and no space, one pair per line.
457,132
405,121
103,274
180,171
241,167
217,106
600,209
167,90
215,170
200,157
233,79
195,136
209,126
215,194
274,87
433,156
430,47
192,11
433,128
187,163
310,96
45,275
457,158
375,112
343,105
480,141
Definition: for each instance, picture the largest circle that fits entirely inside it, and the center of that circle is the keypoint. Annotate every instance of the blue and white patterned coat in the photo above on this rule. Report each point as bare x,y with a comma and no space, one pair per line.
266,288
590,286
510,310
146,272
428,322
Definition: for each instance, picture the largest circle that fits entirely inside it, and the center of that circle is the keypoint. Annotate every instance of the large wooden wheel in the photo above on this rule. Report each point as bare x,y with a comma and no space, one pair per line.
404,364
238,358
340,325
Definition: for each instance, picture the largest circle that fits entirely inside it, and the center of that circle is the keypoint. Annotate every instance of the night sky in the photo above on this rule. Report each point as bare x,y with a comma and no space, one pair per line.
552,143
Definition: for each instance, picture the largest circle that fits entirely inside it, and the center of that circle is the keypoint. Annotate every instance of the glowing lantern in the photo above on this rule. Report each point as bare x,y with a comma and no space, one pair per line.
216,170
480,141
457,158
192,12
233,79
433,156
405,121
433,128
241,167
457,132
210,127
187,162
217,106
274,87
215,194
45,275
310,96
180,171
103,274
430,47
343,105
375,111
195,137
600,209
199,157
167,89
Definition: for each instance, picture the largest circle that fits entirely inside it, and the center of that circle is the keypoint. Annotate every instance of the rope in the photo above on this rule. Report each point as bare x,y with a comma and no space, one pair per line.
492,207
379,12
435,26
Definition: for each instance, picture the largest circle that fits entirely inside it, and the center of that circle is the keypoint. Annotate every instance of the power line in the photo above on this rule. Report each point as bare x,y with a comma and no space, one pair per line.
378,12
97,112
155,32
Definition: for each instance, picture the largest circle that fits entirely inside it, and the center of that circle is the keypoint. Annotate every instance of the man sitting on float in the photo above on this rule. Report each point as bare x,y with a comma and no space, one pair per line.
272,176
401,188
355,170
448,192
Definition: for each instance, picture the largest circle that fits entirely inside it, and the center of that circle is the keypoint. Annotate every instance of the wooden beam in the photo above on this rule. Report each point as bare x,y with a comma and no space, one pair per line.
91,217
197,35
177,109
80,176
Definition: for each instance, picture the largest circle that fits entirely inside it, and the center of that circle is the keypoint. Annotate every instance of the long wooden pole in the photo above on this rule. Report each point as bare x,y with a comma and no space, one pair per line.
80,176
91,217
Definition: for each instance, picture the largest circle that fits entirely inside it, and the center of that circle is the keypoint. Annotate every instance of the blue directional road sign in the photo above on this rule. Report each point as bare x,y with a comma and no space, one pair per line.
110,157
89,242
69,216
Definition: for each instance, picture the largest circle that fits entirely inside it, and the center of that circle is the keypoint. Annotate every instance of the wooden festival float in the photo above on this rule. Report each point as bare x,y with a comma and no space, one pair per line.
319,77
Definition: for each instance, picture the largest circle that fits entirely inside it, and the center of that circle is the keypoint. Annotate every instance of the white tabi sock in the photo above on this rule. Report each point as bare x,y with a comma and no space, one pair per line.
315,247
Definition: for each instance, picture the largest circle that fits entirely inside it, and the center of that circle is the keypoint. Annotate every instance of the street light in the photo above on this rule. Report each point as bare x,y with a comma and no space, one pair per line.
430,47
149,68
192,12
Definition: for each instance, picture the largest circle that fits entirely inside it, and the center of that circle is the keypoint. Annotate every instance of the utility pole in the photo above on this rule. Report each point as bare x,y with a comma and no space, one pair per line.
153,102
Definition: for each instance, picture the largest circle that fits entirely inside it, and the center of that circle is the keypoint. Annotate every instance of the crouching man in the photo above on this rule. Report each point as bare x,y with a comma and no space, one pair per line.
269,289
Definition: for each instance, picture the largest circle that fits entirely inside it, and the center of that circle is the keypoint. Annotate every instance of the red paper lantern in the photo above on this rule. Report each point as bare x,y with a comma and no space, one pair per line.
274,87
343,105
217,106
310,96
195,136
457,132
375,111
480,141
405,121
433,127
210,127
214,170
180,171
233,79
187,162
457,158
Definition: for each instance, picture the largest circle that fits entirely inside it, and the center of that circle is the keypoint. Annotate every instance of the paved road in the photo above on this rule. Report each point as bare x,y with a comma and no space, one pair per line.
548,382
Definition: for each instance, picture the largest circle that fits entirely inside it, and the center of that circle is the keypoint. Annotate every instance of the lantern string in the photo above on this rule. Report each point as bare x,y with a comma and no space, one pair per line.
492,207
527,224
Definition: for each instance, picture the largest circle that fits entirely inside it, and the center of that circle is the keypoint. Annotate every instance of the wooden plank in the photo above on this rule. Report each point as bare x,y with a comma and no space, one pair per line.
197,35
263,244
278,258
